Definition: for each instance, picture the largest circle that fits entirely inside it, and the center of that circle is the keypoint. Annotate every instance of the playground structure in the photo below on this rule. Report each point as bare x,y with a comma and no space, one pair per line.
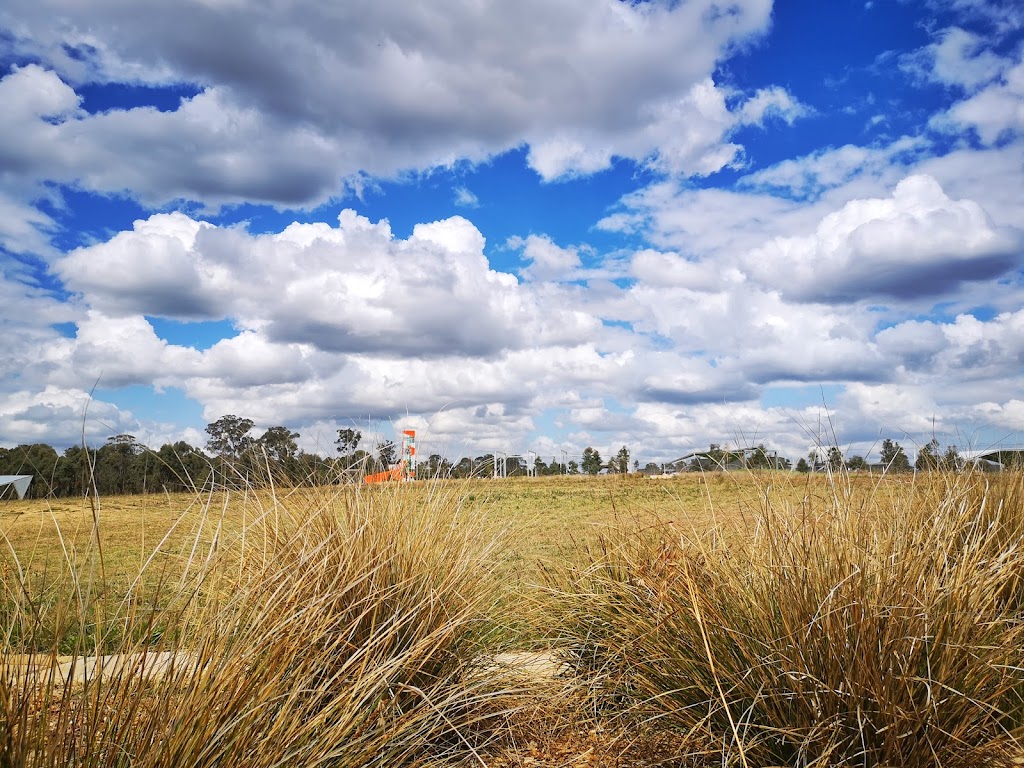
405,470
20,483
521,459
730,459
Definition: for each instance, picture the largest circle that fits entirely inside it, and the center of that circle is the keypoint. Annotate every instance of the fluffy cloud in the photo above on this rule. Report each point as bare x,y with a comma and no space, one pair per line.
894,408
25,229
210,149
756,236
465,198
705,223
809,177
967,348
32,349
352,288
547,261
121,351
749,291
687,135
917,243
995,113
60,416
680,430
959,58
771,102
372,88
151,269
1001,16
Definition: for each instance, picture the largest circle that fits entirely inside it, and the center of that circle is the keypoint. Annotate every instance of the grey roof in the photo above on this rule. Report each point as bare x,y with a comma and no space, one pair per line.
20,483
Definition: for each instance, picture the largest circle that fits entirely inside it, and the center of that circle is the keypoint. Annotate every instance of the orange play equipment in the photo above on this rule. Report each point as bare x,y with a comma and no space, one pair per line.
405,470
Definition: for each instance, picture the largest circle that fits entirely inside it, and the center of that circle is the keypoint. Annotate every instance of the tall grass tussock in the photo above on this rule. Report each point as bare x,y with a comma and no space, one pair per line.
738,620
335,627
857,628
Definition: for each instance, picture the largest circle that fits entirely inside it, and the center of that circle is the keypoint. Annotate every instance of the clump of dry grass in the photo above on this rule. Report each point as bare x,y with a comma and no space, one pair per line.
885,632
345,629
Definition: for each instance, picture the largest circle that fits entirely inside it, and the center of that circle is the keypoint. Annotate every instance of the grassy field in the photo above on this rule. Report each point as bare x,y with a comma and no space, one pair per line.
723,619
537,519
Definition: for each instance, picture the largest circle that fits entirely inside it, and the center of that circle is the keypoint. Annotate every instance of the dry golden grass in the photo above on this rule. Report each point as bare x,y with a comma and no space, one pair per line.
336,629
537,513
536,516
876,626
704,617
147,541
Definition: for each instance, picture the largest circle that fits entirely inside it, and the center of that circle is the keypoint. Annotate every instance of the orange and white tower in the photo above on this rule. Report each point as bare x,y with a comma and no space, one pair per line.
409,454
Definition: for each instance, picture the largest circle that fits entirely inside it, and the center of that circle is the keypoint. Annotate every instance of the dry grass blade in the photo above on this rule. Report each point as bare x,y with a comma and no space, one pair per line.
331,628
887,633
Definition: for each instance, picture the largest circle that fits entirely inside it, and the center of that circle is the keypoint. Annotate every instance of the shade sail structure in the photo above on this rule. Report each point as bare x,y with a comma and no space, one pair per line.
20,483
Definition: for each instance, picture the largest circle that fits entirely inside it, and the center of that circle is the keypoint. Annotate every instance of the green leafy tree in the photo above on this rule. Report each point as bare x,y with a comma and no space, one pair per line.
856,463
951,461
928,456
802,465
38,459
314,469
463,468
761,458
435,466
386,453
574,467
622,460
361,462
591,461
483,466
893,457
73,472
515,466
229,437
279,444
348,441
718,457
539,467
116,471
182,467
835,458
555,468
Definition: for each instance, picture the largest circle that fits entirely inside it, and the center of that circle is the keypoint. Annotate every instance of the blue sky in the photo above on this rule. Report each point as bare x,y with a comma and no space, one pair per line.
514,227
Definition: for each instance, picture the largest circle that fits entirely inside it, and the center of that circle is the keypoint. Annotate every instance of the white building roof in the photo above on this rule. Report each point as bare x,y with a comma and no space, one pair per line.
20,483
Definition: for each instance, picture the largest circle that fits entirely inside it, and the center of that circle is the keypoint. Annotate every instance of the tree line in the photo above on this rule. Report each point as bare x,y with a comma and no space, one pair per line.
892,458
233,455
122,465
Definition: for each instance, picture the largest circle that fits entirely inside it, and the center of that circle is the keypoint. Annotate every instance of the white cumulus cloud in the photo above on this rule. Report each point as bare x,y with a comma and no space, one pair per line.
918,242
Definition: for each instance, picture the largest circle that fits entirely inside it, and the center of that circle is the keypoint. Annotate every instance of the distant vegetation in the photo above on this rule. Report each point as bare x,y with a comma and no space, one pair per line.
231,454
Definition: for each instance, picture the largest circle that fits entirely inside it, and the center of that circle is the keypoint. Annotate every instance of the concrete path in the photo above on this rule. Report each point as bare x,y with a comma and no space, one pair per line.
82,668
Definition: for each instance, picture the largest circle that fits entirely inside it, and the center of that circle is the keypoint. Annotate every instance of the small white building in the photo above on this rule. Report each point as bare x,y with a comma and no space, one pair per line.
993,459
